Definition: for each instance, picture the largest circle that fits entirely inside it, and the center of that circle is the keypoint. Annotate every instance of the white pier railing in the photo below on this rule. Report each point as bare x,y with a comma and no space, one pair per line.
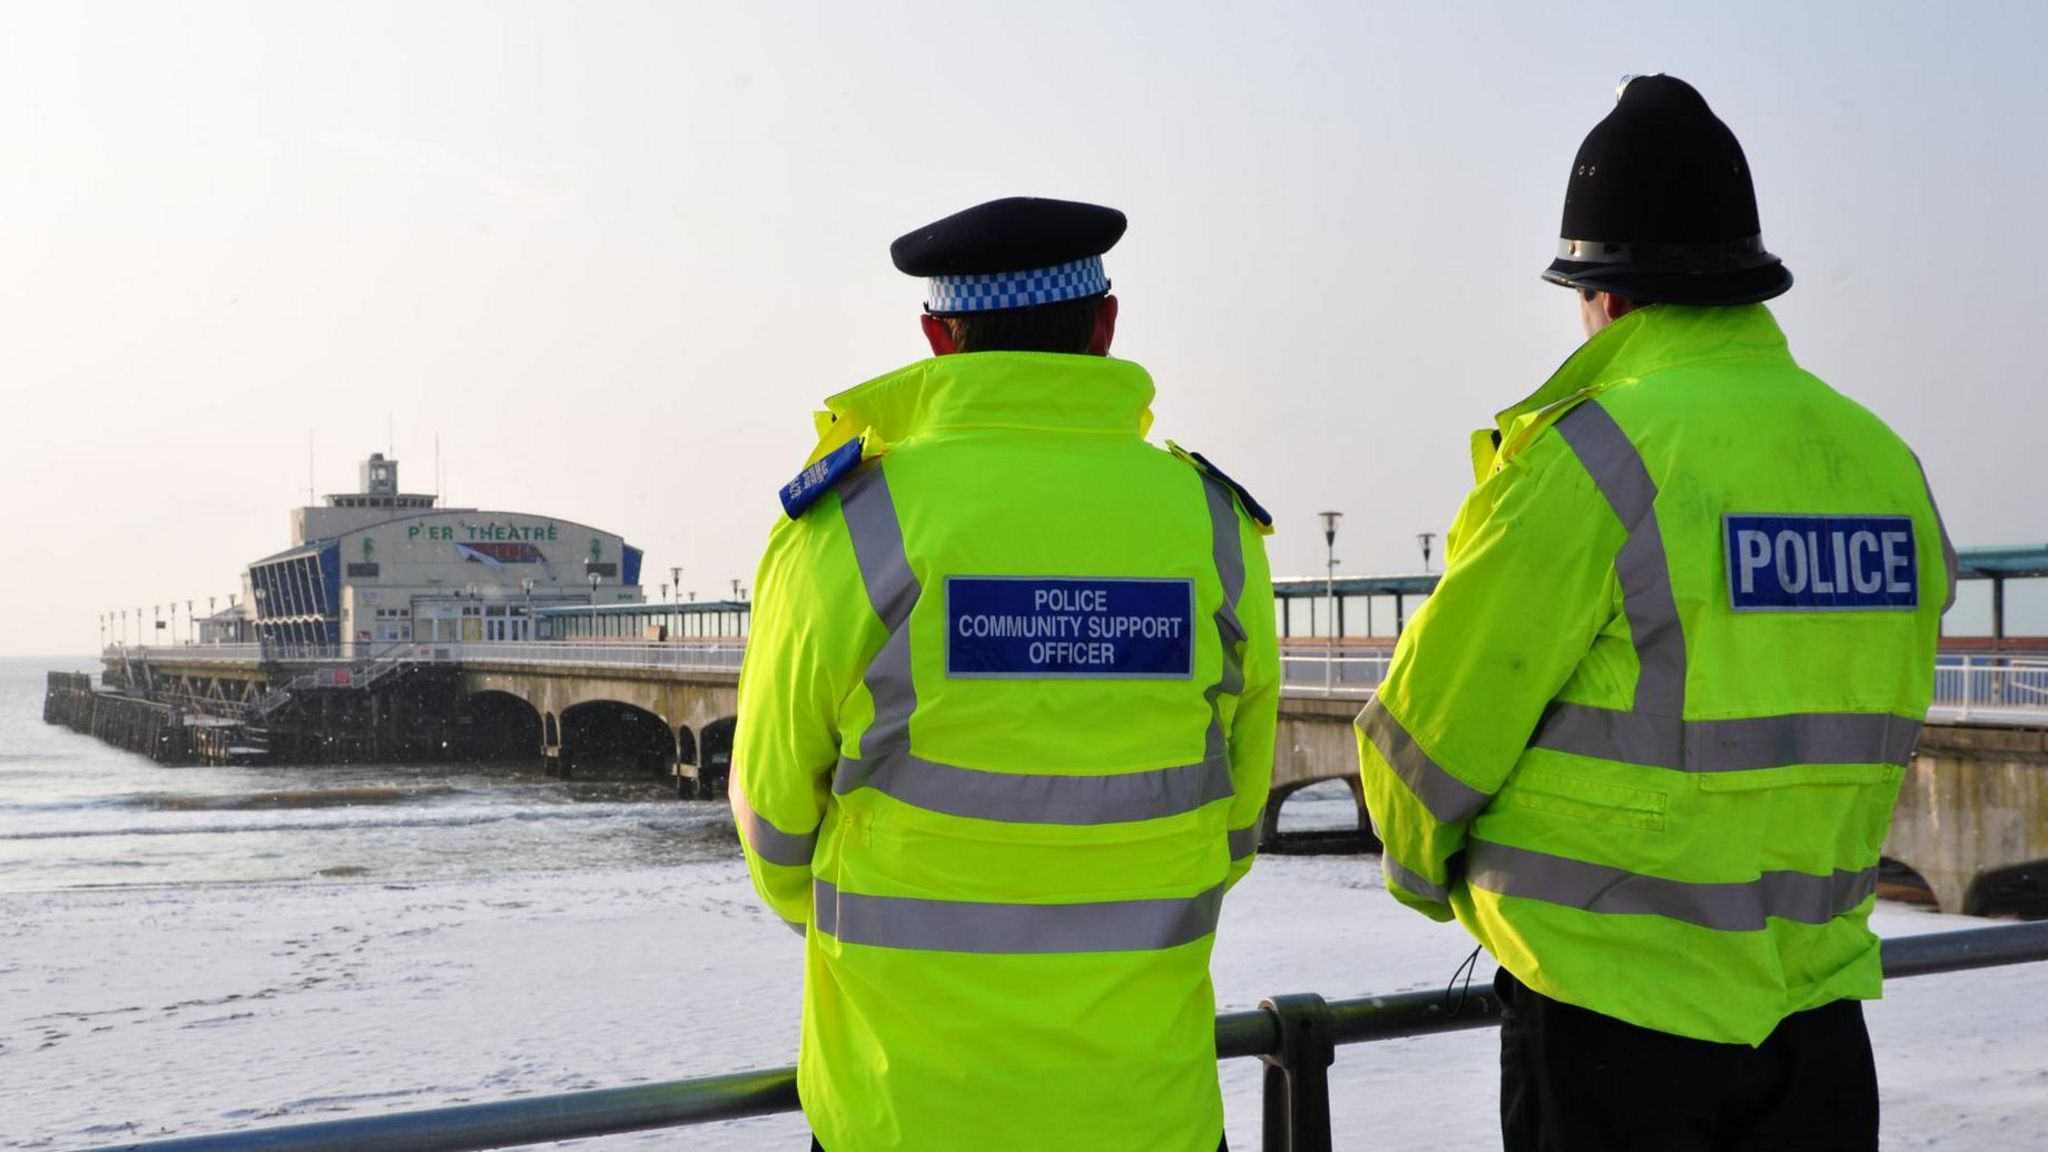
707,653
1978,689
1969,687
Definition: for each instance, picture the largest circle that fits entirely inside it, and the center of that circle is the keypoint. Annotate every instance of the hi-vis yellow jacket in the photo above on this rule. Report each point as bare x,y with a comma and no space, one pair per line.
1005,732
1645,738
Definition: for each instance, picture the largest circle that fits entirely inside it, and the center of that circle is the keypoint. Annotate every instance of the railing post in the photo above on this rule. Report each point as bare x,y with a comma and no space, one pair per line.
1968,682
1298,1074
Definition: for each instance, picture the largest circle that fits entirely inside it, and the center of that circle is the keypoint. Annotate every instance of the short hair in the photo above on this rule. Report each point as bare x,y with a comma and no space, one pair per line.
1068,326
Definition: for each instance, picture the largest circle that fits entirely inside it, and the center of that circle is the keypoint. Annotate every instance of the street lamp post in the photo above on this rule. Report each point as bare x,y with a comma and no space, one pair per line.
191,632
1425,538
595,580
531,631
1330,520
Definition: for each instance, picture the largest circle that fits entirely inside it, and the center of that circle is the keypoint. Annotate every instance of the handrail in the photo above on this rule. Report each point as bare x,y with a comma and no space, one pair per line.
1281,1032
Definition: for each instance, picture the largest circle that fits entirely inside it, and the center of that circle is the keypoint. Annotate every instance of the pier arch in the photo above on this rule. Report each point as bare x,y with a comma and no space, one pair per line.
714,747
1347,837
611,737
2015,890
498,726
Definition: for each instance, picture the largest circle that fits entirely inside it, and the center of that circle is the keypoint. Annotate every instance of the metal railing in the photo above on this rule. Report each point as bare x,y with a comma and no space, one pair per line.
231,653
690,654
1974,687
1341,674
1968,686
701,653
1295,1036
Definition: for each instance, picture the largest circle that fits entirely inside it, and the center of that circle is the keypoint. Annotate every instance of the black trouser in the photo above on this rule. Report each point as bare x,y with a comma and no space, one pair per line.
1576,1081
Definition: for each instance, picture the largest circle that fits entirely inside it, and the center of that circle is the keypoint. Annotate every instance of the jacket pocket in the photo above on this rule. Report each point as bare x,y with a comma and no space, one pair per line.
1560,795
1800,776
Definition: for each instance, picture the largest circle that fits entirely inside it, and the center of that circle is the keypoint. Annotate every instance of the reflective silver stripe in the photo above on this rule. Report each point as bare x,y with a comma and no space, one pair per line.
769,842
1228,547
1645,574
1948,550
1736,745
1014,929
1738,907
1038,798
893,590
1398,873
1448,798
1245,841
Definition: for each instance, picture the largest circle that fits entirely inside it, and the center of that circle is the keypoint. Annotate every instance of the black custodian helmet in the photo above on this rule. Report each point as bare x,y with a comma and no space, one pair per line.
1660,207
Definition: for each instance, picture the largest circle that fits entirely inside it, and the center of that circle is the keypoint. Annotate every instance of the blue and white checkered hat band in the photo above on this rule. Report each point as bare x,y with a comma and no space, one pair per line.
991,291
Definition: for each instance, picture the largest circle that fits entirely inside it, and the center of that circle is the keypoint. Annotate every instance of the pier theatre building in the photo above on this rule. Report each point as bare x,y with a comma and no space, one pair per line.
379,567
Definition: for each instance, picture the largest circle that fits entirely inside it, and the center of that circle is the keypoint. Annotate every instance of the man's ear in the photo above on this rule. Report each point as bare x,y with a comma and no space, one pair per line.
938,335
1105,328
1616,306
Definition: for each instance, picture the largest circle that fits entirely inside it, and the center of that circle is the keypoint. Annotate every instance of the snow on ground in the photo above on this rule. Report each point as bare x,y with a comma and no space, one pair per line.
136,1013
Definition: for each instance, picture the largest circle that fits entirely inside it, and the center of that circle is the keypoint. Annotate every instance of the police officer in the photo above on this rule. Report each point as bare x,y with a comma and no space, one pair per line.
1644,739
1006,721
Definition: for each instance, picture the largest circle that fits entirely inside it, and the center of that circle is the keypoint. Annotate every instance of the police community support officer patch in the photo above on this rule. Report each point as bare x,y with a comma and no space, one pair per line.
1089,628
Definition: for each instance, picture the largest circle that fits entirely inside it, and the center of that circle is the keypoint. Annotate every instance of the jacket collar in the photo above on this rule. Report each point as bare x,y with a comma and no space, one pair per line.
1026,390
1644,341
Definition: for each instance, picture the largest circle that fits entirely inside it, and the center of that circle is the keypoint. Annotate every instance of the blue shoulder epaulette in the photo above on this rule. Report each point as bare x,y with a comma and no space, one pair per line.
1245,499
813,482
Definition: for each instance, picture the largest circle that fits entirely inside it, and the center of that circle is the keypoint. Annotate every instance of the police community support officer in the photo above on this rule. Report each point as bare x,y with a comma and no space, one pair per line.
1644,740
1006,721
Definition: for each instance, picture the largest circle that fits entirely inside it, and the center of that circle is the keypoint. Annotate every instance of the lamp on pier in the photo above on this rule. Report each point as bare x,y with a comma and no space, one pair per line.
1330,521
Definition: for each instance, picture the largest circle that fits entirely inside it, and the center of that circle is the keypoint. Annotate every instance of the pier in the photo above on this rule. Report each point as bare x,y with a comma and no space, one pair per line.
395,630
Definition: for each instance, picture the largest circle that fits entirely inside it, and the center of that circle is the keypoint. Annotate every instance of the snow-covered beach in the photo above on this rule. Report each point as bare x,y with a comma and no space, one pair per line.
144,1012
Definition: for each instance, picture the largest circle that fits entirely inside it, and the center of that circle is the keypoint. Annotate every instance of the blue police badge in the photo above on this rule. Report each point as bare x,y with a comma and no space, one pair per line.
1821,563
813,482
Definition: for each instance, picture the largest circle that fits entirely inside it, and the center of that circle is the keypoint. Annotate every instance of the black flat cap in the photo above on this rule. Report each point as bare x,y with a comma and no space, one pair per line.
1016,252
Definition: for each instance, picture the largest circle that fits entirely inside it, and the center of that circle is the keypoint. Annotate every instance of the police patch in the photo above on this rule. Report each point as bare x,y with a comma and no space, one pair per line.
1054,628
799,494
1821,563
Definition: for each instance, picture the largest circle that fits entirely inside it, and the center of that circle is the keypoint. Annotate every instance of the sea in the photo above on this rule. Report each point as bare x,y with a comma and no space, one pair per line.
76,813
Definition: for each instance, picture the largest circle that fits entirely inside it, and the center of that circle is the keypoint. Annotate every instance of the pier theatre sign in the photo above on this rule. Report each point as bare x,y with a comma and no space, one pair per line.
486,533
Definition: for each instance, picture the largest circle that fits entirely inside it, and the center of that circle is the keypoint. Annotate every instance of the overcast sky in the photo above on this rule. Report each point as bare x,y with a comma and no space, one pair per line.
614,254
